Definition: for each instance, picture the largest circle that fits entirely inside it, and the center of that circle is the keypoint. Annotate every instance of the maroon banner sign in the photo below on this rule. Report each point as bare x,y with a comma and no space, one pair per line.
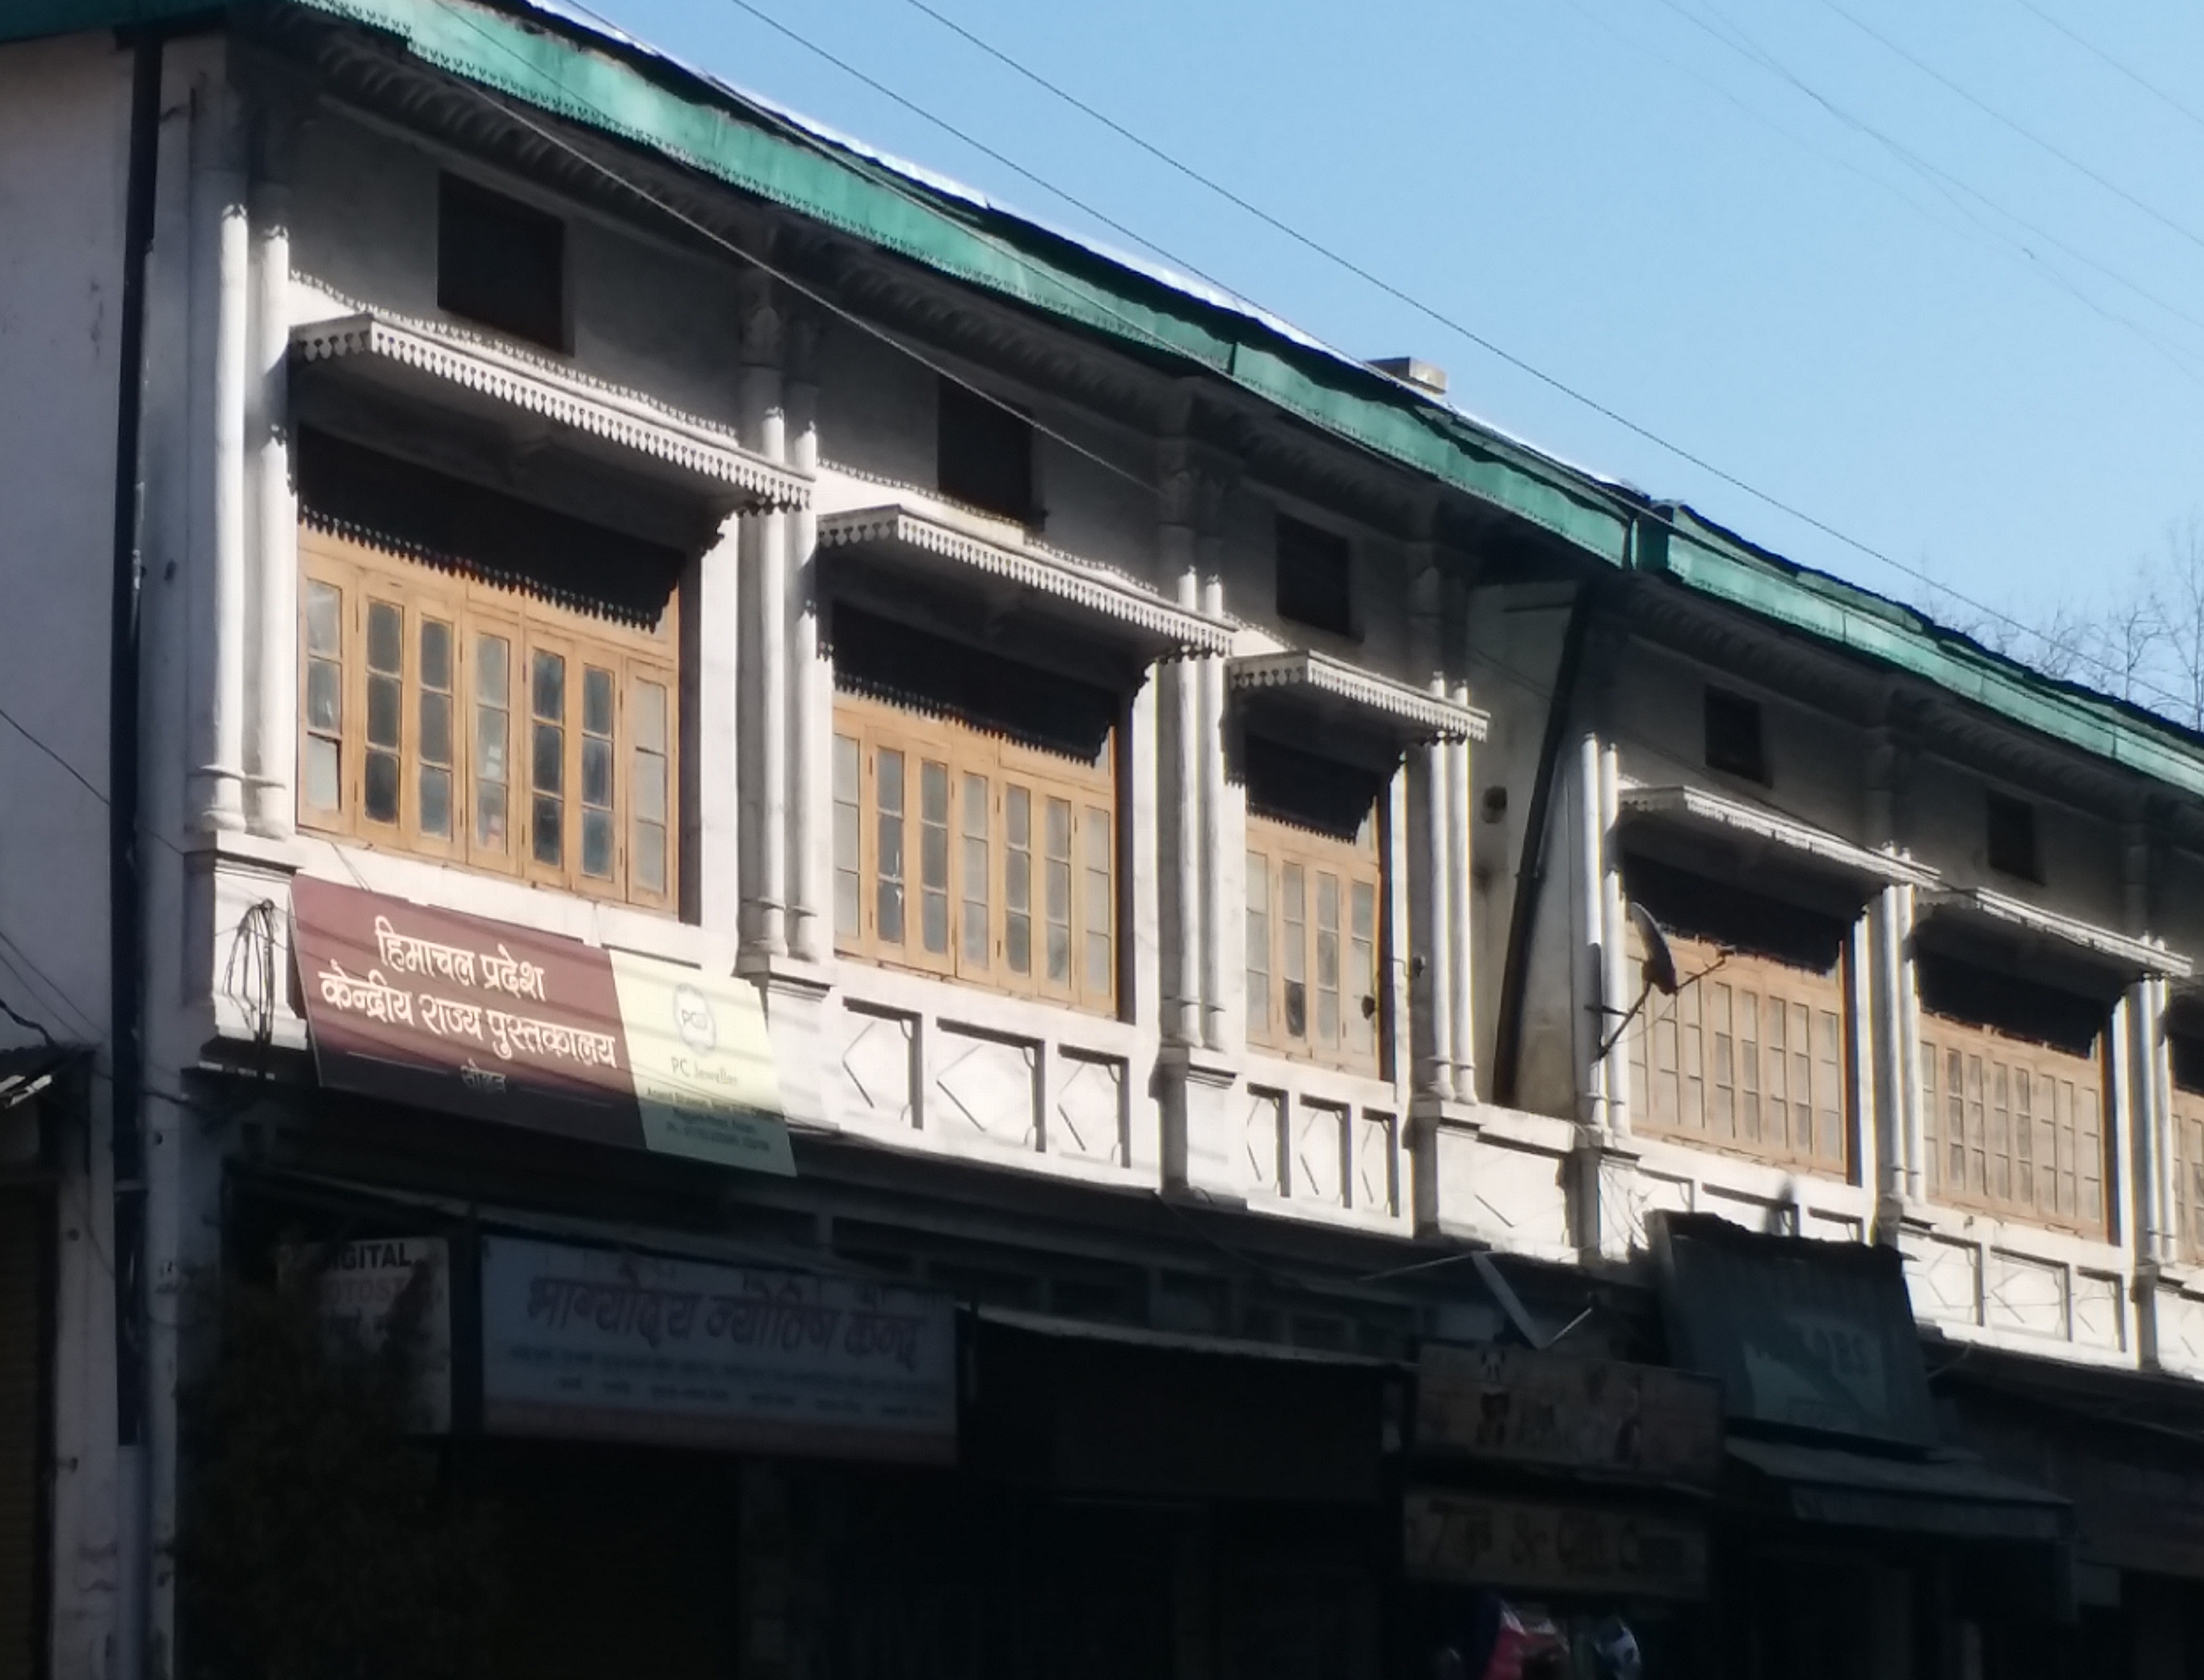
496,1022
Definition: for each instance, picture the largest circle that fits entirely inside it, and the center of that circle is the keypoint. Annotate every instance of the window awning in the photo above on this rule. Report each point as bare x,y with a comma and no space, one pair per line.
1321,683
1058,582
1859,1490
2011,918
631,431
1733,820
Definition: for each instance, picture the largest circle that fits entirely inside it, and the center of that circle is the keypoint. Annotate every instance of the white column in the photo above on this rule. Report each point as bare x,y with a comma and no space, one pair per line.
1211,722
220,313
1462,1031
275,718
711,736
764,784
1617,988
2161,1066
1434,931
1590,968
1182,1017
1906,1000
2138,1163
810,693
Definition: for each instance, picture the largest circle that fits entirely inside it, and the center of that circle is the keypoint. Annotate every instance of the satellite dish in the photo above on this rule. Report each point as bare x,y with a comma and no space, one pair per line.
1658,968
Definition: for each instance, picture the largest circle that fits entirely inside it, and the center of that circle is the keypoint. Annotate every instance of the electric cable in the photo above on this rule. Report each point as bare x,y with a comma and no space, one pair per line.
2098,52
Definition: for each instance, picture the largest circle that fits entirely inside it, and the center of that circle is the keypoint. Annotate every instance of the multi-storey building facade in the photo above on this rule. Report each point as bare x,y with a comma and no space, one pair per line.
1188,810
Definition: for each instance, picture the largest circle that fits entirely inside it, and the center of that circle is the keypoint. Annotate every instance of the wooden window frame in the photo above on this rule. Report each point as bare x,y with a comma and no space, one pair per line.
1735,1079
1278,846
475,609
2187,1168
1943,1038
1095,881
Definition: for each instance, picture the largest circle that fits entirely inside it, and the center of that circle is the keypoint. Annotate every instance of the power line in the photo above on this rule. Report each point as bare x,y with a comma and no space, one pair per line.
1739,41
1644,510
2021,129
1591,403
2098,52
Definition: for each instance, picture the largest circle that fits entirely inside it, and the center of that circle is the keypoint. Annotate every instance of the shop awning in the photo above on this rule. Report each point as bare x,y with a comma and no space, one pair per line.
1030,575
1170,1341
1859,1490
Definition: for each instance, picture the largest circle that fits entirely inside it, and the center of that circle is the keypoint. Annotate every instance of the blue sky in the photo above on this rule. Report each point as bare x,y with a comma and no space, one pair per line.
1758,231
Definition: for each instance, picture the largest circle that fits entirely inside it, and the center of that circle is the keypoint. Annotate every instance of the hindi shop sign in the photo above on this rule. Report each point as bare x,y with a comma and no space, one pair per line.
501,1022
1468,1540
1532,1408
589,1343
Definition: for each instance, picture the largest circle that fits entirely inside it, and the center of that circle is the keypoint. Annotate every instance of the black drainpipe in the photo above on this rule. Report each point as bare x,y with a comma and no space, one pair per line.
125,888
1531,872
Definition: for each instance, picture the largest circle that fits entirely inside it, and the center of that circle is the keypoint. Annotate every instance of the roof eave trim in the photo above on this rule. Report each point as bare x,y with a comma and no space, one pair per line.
2146,956
538,386
1700,807
1049,571
1427,716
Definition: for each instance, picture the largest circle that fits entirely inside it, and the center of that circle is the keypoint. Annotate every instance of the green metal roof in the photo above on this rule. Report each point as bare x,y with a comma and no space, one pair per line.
561,63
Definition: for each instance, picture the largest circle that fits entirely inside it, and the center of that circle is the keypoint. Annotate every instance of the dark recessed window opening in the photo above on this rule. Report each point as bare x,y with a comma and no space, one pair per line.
938,678
2188,1054
1734,736
1323,795
1722,913
1315,577
2012,831
2005,1002
500,261
986,455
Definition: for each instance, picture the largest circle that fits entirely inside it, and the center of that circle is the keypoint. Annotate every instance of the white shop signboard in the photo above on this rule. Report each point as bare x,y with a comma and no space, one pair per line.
597,1344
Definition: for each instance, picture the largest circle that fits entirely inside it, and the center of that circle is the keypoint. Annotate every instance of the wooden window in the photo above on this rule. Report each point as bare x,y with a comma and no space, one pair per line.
1312,949
1733,742
1316,892
1315,576
985,453
963,852
1749,1058
2010,838
459,718
2012,1127
500,261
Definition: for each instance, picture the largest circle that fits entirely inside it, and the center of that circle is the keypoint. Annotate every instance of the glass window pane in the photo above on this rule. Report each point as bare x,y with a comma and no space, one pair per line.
490,744
846,765
597,771
436,728
1258,943
547,689
596,701
933,855
650,788
546,835
975,938
383,703
1098,966
435,802
324,694
324,619
890,781
887,846
597,843
548,768
1059,954
381,786
650,856
435,654
321,778
490,814
490,657
385,637
649,719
